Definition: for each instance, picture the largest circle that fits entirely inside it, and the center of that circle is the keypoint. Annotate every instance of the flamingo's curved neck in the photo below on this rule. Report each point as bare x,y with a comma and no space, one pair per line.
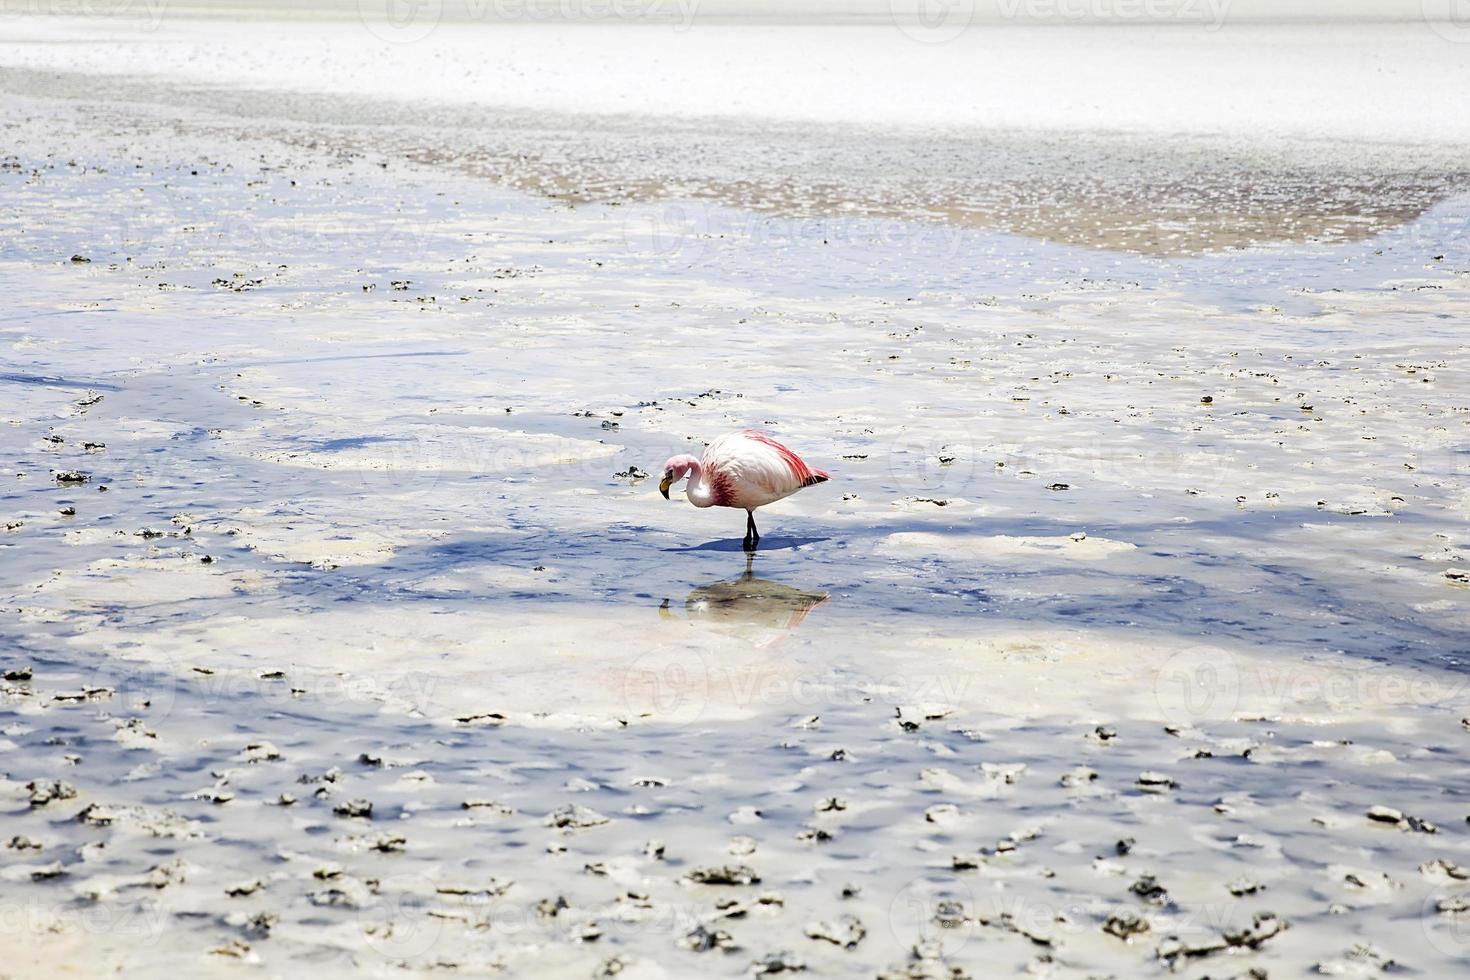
698,490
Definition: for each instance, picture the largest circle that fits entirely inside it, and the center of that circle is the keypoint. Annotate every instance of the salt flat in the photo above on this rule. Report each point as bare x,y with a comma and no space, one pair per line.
1133,593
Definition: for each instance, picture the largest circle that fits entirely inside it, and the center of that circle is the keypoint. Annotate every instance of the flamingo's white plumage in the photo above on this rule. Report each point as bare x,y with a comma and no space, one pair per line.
745,469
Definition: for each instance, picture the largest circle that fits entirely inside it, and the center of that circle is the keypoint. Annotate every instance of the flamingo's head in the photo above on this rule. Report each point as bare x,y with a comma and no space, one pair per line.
675,470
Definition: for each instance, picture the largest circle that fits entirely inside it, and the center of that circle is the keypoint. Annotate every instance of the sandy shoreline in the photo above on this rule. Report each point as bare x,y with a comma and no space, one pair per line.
1157,160
1132,599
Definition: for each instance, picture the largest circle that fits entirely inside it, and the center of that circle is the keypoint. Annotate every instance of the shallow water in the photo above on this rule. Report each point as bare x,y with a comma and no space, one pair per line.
388,399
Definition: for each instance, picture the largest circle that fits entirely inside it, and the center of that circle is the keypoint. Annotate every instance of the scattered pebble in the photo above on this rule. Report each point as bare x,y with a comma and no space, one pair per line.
1125,925
1081,776
46,791
729,874
1149,889
574,816
354,808
776,963
847,931
1155,782
702,940
244,888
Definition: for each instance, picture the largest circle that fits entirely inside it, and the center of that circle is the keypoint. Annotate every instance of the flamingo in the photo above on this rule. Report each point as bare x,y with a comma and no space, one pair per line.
745,469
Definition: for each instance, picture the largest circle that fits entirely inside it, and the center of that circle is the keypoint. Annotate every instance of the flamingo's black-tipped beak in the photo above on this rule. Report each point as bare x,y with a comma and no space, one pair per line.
665,483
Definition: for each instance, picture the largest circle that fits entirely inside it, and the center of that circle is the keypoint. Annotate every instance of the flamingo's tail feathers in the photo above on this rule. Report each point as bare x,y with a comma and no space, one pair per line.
818,476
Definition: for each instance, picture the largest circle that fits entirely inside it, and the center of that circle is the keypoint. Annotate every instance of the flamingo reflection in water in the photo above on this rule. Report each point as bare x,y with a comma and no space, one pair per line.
748,600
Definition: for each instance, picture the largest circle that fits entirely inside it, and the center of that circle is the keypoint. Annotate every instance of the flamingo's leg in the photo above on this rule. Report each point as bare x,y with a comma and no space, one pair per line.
752,536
